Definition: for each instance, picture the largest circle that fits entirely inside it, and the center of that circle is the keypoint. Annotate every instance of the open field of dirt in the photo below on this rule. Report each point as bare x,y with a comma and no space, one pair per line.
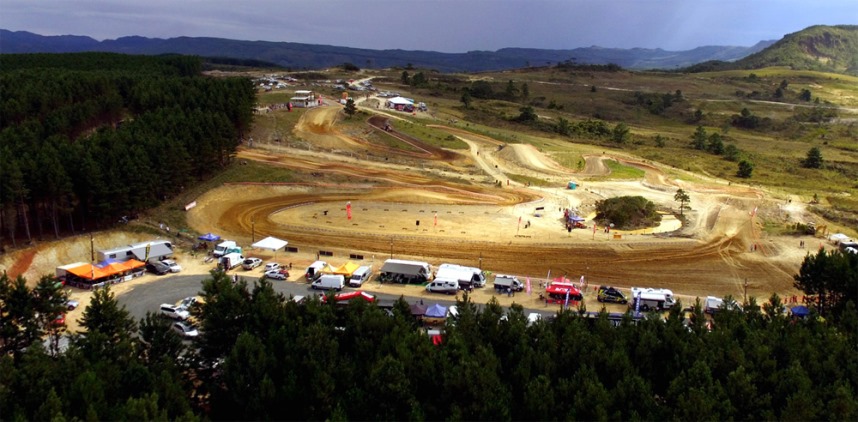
443,206
394,210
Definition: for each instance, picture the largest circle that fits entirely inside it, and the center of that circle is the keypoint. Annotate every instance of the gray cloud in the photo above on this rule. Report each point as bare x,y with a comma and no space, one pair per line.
438,25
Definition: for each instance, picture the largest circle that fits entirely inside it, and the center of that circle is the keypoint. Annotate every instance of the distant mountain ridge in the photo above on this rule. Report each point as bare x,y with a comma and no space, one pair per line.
821,47
312,56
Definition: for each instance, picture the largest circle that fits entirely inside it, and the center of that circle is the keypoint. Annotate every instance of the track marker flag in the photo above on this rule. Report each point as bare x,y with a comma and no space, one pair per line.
349,210
436,219
528,285
754,212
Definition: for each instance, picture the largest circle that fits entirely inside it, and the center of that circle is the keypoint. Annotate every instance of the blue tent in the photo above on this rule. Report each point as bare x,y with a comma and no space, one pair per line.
106,262
436,311
800,311
209,237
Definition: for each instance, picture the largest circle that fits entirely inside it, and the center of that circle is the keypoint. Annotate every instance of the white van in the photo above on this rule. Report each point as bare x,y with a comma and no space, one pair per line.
360,276
223,248
329,282
448,286
313,271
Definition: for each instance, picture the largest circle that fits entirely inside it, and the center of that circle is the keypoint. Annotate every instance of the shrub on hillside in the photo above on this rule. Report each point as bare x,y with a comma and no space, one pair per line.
627,212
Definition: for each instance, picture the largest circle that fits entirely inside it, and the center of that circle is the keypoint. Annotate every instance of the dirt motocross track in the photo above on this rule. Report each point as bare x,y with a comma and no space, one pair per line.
444,206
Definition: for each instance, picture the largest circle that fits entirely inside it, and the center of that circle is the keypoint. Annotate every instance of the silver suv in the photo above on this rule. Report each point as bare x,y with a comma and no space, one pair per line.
174,312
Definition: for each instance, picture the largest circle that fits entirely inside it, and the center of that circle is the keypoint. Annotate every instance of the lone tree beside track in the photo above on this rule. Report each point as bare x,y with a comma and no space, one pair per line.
682,198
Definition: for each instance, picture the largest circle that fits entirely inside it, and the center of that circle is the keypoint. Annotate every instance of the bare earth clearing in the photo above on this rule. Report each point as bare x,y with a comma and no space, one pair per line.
478,222
509,228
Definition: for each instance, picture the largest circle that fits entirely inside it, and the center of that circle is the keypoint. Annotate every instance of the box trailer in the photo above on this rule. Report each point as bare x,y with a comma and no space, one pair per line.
402,271
144,251
649,299
467,276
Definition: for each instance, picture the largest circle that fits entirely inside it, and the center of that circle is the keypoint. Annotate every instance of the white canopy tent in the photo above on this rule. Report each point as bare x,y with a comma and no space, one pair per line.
400,101
271,243
838,237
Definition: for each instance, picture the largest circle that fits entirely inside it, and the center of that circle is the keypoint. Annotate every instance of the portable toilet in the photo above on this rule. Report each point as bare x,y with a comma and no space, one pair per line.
571,185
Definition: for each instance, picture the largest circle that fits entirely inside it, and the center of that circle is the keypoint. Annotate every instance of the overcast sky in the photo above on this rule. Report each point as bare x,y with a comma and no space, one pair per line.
437,25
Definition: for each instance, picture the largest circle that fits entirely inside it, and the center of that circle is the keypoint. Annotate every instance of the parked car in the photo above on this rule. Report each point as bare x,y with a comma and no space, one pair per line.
251,263
281,274
611,294
172,265
175,312
185,330
156,267
60,319
187,302
72,304
272,266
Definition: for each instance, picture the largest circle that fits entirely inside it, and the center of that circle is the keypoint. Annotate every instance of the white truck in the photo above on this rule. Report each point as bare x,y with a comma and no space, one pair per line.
329,282
714,304
231,260
314,271
225,247
403,271
504,283
649,299
466,276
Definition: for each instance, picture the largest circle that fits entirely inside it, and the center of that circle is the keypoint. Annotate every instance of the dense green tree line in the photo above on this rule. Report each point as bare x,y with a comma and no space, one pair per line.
85,138
262,356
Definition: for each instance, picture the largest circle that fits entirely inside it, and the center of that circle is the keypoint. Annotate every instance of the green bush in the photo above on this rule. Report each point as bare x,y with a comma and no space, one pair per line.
627,212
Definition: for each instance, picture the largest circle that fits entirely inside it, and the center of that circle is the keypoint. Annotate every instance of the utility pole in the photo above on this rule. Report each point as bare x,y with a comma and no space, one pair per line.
391,248
481,260
91,249
252,231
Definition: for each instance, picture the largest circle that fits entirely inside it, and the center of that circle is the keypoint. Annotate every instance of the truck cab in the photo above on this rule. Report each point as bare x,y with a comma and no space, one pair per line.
223,248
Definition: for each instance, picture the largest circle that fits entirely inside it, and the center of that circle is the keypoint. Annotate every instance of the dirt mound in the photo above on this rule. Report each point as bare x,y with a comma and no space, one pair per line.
45,257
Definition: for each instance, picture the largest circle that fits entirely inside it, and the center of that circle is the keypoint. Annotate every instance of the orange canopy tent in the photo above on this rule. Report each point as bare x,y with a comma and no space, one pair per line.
92,272
89,272
123,266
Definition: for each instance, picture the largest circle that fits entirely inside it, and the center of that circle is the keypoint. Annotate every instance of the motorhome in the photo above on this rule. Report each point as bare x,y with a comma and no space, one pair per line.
329,282
313,272
647,299
360,276
402,271
225,247
144,251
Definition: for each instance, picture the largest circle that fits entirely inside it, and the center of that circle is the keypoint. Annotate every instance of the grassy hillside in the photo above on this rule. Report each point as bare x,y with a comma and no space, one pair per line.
788,124
822,48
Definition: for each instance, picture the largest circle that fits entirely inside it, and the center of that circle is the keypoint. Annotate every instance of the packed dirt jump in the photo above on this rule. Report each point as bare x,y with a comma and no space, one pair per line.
437,205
